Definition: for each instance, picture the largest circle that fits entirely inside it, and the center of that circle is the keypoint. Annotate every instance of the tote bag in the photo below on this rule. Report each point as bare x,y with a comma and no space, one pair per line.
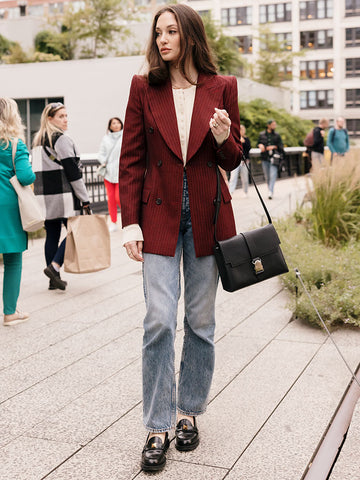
31,214
87,247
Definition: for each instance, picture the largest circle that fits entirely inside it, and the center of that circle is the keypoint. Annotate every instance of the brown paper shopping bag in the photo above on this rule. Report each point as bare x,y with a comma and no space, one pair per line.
87,244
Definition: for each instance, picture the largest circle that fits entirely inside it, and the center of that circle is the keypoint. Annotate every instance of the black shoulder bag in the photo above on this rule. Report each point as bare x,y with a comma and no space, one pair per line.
249,257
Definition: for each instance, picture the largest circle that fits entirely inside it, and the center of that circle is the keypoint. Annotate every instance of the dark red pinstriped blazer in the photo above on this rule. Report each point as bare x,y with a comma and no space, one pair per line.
152,169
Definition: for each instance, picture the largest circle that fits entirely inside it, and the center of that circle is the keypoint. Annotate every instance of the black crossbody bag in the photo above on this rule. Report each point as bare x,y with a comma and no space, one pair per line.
248,257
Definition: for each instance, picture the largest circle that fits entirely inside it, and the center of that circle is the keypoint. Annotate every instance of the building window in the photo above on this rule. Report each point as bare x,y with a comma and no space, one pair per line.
30,111
280,12
352,7
352,37
353,67
203,13
244,44
316,9
285,39
316,99
35,10
236,16
316,69
55,8
352,97
353,127
317,39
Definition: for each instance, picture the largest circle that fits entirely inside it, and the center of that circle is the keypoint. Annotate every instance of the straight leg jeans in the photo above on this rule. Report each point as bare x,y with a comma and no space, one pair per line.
161,275
270,174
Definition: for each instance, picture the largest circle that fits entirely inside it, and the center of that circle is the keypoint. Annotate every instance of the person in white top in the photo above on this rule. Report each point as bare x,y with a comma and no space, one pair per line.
109,155
182,121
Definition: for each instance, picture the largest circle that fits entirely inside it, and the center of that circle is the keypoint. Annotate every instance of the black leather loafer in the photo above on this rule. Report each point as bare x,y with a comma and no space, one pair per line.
153,457
186,436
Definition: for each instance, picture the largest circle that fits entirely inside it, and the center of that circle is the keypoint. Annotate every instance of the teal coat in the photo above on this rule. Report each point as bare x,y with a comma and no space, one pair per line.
12,236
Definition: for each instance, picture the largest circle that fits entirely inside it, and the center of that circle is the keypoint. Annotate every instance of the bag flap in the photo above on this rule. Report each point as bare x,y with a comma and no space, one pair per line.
255,243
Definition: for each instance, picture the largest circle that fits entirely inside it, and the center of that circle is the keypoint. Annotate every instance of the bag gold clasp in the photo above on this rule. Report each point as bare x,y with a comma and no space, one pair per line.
258,266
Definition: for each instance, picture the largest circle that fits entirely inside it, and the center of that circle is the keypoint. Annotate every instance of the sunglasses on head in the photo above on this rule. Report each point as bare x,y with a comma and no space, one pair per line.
55,106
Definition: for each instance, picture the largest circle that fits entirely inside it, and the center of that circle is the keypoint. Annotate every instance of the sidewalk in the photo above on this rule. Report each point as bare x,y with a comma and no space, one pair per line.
70,378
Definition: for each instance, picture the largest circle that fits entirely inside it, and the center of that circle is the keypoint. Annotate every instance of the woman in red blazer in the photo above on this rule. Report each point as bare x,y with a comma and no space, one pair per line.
182,121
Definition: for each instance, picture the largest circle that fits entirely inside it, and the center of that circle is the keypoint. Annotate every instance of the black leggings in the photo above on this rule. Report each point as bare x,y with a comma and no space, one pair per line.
53,251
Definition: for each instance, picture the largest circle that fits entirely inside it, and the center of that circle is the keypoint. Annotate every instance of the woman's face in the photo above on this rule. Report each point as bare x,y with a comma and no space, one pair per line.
115,125
168,37
60,119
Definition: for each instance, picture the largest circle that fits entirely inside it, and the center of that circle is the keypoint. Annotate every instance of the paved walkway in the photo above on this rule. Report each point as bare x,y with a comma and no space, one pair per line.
70,378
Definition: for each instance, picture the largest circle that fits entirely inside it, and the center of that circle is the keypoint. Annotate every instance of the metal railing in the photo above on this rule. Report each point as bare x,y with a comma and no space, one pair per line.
293,164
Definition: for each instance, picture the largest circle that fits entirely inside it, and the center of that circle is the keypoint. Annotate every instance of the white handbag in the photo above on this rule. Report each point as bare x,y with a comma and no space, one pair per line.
31,214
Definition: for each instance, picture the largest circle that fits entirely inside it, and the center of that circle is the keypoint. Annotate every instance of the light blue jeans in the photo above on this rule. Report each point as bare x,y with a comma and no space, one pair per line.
270,174
161,275
244,174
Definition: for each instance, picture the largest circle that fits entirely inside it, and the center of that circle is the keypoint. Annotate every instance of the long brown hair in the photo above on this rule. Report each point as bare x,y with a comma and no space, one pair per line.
193,42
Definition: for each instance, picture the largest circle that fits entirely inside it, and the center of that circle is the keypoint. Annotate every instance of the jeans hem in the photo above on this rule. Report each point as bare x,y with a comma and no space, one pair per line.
157,430
190,413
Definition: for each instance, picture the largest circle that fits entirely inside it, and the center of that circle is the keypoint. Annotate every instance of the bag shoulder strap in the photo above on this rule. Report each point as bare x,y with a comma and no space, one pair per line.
14,148
218,197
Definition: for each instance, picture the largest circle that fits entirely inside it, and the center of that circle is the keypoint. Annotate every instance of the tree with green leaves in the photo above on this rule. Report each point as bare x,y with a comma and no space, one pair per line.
5,46
227,56
274,60
257,112
97,27
54,43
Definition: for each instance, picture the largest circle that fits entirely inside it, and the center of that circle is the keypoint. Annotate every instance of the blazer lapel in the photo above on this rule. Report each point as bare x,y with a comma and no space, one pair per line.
161,102
208,96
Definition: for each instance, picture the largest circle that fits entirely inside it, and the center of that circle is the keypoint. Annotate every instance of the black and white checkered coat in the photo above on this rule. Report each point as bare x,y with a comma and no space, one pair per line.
59,185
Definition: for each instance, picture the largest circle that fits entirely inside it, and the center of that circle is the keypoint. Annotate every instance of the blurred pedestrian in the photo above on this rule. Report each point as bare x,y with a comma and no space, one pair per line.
168,168
338,139
13,239
109,155
317,149
59,185
244,173
271,148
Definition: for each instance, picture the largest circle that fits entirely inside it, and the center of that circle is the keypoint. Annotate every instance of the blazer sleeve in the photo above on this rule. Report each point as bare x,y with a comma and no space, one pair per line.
24,172
231,149
132,166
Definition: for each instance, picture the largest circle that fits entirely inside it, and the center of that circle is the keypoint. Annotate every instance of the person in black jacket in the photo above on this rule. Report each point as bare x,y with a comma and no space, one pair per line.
317,149
271,149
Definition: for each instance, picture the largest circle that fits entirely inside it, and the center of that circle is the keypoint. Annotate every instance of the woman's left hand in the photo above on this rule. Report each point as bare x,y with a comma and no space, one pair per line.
220,125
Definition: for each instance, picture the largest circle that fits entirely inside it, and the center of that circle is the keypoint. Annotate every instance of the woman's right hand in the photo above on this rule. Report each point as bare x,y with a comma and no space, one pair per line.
134,250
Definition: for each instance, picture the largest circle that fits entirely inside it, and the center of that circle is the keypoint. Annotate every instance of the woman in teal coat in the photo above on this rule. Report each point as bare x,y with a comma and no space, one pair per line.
13,239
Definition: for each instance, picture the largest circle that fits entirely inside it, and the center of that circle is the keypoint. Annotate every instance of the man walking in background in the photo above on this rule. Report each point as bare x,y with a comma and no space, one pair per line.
317,150
271,149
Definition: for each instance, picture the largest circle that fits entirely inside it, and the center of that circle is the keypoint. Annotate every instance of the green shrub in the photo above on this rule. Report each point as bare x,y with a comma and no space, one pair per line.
334,193
331,275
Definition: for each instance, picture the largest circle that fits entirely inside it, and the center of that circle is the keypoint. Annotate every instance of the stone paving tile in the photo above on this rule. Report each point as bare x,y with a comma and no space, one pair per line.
249,400
56,392
82,420
31,458
285,444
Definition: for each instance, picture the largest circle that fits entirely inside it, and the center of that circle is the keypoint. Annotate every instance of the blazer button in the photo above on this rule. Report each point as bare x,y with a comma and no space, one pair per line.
151,130
159,163
209,164
158,201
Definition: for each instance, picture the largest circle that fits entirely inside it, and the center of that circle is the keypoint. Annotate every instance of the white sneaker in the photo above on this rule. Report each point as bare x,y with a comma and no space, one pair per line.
270,195
113,227
15,318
